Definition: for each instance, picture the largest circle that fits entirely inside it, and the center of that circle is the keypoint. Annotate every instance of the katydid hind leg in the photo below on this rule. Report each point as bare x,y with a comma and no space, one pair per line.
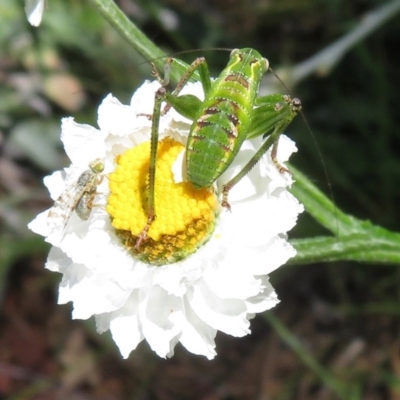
150,206
198,64
161,96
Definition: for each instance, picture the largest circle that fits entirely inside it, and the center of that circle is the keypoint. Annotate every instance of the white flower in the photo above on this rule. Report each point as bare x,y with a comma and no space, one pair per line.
218,287
34,11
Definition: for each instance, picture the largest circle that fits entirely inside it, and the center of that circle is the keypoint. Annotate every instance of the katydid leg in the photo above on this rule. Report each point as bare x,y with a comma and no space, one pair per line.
281,114
161,96
199,63
274,153
167,72
150,207
274,137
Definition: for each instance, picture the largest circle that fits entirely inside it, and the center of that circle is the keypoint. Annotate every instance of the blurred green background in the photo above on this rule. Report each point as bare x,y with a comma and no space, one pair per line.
345,315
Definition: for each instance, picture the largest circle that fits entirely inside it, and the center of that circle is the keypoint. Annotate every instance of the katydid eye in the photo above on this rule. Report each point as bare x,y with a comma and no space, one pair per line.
296,103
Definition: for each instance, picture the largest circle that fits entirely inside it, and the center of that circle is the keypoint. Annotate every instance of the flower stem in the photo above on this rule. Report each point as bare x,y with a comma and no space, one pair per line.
294,343
355,240
133,35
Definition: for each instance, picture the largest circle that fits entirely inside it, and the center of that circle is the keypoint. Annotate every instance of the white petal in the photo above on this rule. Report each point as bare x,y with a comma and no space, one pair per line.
270,257
90,293
126,334
264,300
82,143
246,188
230,281
57,261
34,11
197,336
56,183
39,224
286,148
179,167
142,101
88,248
162,319
124,326
91,296
117,119
257,222
175,278
228,316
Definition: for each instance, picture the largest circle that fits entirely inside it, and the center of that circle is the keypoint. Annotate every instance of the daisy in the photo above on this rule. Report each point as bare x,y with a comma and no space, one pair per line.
202,269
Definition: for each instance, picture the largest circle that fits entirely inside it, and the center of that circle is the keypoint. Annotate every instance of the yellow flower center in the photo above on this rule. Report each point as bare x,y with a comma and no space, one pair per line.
185,216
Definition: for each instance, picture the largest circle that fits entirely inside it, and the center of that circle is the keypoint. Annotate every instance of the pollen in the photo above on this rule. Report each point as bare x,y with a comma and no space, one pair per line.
185,216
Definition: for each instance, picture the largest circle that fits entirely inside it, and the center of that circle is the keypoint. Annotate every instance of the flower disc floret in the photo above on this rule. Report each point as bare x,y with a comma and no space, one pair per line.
185,217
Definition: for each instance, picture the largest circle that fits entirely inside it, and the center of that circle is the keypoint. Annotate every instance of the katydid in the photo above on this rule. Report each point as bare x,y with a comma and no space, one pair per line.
230,113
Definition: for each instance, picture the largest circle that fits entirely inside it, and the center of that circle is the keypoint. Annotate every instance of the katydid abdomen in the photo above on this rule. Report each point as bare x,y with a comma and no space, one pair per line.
222,122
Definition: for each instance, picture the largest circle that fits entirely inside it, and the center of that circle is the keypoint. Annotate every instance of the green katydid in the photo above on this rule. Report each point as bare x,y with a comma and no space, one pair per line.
230,113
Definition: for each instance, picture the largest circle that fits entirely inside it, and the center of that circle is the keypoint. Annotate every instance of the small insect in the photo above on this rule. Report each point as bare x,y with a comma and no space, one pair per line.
77,197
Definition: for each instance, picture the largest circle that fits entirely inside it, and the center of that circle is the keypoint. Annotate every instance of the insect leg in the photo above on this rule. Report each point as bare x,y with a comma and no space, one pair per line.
151,213
188,102
274,113
200,64
167,72
161,96
245,170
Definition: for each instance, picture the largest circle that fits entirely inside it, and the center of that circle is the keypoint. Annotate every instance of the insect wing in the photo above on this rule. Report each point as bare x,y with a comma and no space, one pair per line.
84,205
63,207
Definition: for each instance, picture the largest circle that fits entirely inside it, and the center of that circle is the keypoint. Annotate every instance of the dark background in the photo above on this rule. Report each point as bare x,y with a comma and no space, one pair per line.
346,316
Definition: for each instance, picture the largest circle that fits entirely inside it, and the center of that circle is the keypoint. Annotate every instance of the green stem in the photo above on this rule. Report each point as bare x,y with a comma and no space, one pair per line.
323,209
132,34
367,247
293,342
355,240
